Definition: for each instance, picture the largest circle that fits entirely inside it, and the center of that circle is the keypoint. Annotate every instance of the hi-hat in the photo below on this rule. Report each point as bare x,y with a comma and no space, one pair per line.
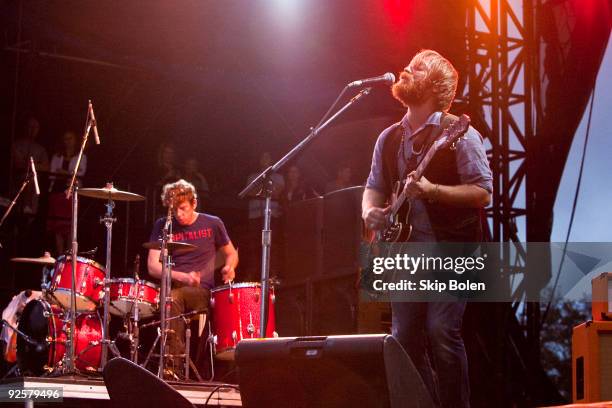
110,193
172,246
46,259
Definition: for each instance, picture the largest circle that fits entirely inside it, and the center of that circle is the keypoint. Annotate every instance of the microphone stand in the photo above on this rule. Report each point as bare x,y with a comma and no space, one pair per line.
165,290
265,180
27,179
72,191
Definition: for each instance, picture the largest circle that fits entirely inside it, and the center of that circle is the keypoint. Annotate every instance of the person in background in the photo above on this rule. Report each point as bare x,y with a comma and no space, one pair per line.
296,188
191,173
167,170
61,168
23,148
343,179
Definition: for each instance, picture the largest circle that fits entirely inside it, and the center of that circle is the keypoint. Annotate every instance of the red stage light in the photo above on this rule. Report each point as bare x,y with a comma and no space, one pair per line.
399,12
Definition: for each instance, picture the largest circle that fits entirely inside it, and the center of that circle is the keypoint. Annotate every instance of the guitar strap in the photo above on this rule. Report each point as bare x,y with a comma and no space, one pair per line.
426,140
393,149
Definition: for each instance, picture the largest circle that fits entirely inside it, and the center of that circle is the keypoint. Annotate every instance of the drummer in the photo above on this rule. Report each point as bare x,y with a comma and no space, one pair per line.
193,272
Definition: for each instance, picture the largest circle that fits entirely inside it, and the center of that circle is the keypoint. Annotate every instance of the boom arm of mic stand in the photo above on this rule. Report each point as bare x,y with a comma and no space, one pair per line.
27,338
12,204
314,132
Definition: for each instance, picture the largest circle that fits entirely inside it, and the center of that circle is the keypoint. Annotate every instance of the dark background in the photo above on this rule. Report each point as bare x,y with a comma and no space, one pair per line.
222,81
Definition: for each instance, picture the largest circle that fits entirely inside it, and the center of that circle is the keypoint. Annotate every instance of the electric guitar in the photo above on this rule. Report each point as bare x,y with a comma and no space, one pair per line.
398,227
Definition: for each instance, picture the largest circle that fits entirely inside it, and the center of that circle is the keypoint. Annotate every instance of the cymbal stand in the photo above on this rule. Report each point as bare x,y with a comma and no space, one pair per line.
108,221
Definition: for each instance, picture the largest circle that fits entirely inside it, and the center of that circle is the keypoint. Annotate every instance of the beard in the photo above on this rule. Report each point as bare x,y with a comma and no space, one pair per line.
408,91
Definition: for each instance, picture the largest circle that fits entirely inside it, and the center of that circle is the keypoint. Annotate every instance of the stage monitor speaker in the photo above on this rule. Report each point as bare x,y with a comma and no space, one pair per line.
592,362
131,386
335,371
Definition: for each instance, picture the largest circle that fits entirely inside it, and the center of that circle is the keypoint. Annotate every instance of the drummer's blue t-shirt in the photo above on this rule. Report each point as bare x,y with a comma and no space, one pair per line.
207,233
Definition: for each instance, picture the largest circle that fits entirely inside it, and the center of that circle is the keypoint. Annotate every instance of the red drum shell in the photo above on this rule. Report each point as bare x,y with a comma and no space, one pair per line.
44,323
125,292
236,316
89,283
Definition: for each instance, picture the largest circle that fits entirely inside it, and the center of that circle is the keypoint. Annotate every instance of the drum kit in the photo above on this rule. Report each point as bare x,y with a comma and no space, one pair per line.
44,327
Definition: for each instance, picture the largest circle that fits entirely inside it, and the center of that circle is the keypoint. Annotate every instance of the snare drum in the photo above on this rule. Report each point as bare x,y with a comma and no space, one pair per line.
127,292
44,324
235,316
89,283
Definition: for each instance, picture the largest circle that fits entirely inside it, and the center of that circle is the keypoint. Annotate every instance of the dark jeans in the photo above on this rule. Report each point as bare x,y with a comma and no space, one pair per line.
439,324
184,299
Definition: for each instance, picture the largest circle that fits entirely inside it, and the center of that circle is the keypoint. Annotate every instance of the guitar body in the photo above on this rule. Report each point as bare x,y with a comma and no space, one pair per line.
398,228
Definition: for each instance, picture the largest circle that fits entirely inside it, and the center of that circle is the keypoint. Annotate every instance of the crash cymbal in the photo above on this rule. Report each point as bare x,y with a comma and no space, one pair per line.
47,259
110,193
172,246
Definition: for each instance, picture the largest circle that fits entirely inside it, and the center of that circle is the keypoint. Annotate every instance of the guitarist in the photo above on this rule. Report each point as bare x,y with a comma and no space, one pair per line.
446,205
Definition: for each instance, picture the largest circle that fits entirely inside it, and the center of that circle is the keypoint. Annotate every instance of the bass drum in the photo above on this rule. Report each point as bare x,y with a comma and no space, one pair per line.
44,324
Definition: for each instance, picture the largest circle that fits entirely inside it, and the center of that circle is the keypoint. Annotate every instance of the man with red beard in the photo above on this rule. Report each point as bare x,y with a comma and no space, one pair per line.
446,206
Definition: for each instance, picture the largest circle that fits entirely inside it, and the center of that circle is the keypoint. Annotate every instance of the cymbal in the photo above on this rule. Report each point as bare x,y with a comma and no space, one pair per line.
172,246
110,193
47,259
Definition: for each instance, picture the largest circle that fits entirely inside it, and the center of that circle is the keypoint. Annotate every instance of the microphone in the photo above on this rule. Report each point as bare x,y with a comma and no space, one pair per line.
36,188
93,123
386,79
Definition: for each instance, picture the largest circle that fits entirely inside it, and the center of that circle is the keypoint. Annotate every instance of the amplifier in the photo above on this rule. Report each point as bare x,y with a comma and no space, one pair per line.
592,362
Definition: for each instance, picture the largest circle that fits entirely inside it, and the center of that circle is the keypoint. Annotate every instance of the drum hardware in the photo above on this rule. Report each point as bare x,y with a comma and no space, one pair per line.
187,316
165,255
235,316
187,356
46,261
50,327
110,194
251,326
173,246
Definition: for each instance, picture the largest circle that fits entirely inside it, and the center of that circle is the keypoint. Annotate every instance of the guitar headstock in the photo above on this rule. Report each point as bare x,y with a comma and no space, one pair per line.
454,132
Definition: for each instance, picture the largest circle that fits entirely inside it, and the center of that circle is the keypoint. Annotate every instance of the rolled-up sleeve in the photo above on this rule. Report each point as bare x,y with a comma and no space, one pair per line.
472,164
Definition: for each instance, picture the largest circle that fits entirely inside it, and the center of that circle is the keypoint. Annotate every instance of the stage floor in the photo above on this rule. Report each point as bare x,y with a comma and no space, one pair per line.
82,392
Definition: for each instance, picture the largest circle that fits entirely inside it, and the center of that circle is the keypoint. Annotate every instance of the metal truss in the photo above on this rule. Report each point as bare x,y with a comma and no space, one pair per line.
499,95
502,71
